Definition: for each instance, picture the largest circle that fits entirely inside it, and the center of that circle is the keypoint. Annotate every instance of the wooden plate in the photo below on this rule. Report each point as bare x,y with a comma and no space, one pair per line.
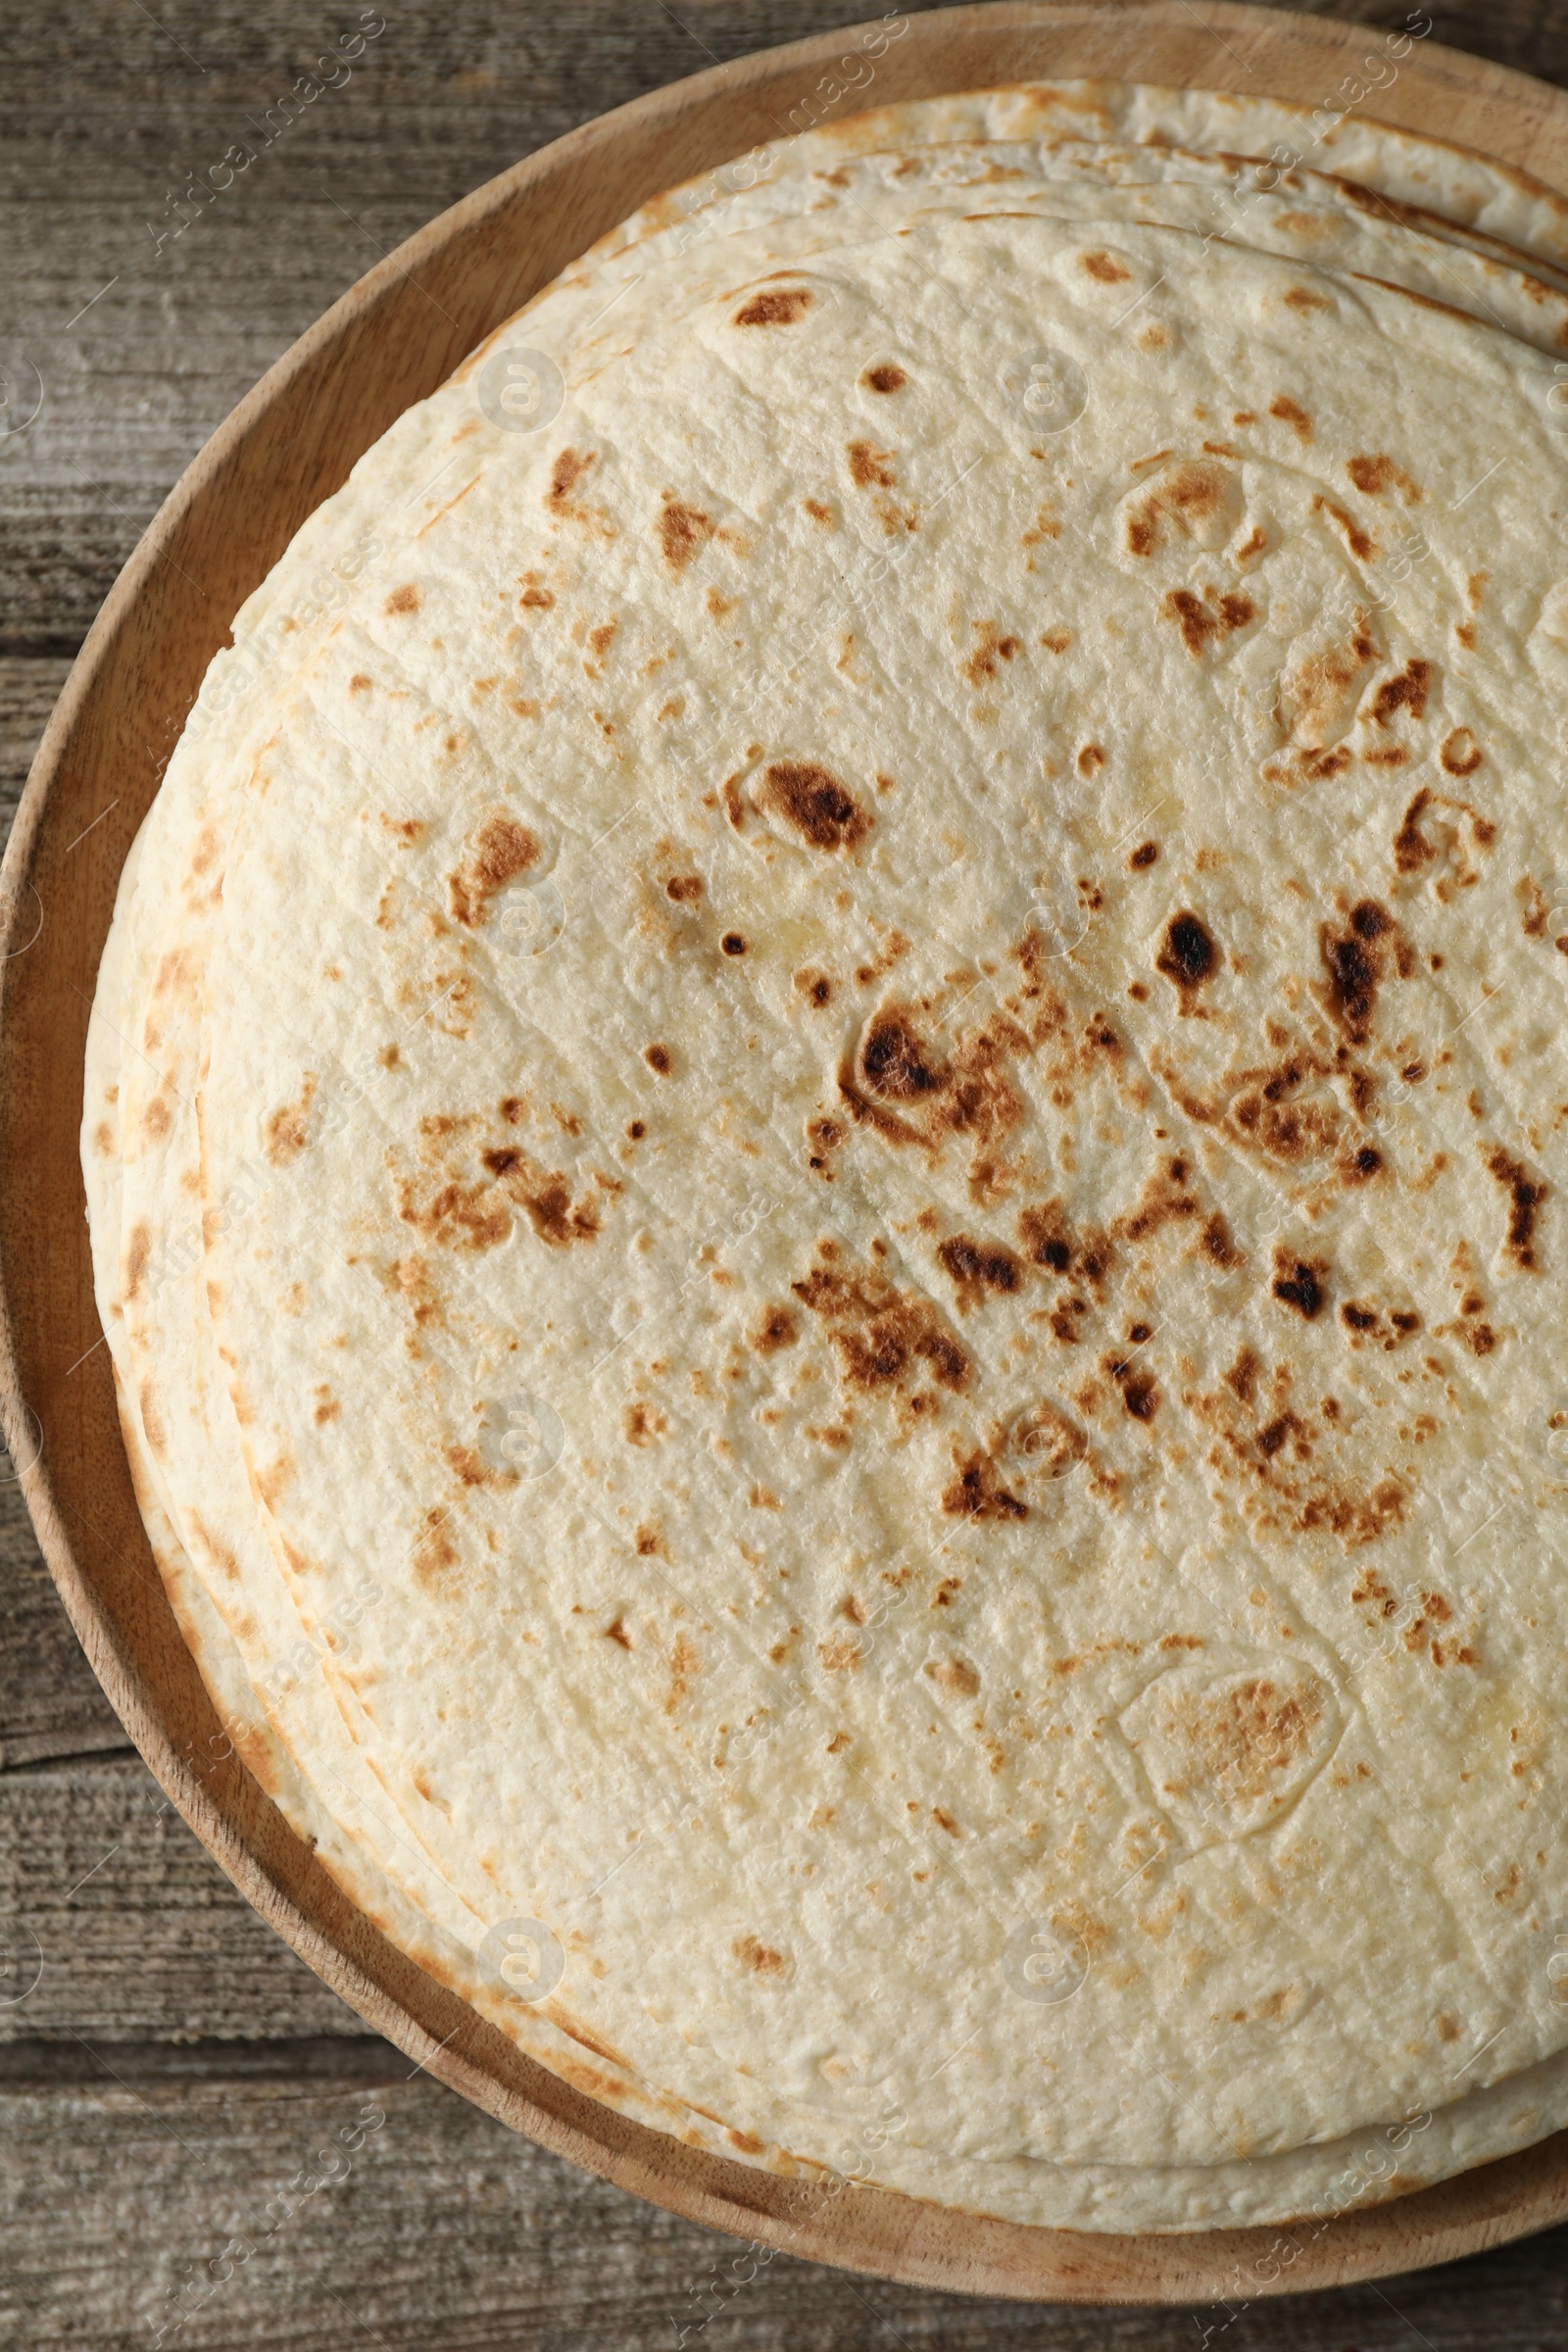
393,338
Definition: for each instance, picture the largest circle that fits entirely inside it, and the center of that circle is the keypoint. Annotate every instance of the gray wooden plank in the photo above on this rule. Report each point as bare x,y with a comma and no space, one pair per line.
35,2065
29,689
50,1703
131,1928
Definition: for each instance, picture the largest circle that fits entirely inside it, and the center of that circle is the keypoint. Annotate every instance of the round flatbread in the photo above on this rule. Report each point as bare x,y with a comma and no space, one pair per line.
838,1357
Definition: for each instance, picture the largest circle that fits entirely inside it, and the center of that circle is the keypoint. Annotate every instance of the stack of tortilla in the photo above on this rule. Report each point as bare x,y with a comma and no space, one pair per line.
825,1143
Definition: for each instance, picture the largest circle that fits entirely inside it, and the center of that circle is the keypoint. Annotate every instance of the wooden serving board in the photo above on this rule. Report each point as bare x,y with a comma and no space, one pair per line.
393,338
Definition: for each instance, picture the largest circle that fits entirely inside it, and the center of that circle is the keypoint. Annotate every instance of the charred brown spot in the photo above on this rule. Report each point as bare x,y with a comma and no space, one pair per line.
897,1085
1270,1116
659,1060
138,1256
1186,956
1144,854
1101,1038
1167,1199
978,1267
1534,907
1319,764
565,476
434,1553
1216,613
1182,499
1290,412
1361,544
733,944
1105,269
1408,691
993,647
1411,848
1370,474
1459,754
642,1424
884,1336
815,986
777,1329
815,804
683,531
1299,1282
554,1220
500,850
1373,476
977,1494
1354,968
1045,1235
403,600
457,1216
684,888
780,309
886,376
870,468
1526,1195
893,1061
284,1133
1140,1395
543,1195
759,1957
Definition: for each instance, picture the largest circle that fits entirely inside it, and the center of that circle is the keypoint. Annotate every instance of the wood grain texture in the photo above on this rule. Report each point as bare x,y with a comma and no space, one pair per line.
50,1704
87,1847
176,2059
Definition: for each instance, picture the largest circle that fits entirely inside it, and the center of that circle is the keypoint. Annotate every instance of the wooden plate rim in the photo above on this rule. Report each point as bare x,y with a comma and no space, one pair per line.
872,2231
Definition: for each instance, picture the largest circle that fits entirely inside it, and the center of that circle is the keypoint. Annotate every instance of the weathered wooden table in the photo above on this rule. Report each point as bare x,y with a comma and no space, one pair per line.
166,2082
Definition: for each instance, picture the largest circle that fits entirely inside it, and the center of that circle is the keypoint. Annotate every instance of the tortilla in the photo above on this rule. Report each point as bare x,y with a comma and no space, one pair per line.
1339,137
308,851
